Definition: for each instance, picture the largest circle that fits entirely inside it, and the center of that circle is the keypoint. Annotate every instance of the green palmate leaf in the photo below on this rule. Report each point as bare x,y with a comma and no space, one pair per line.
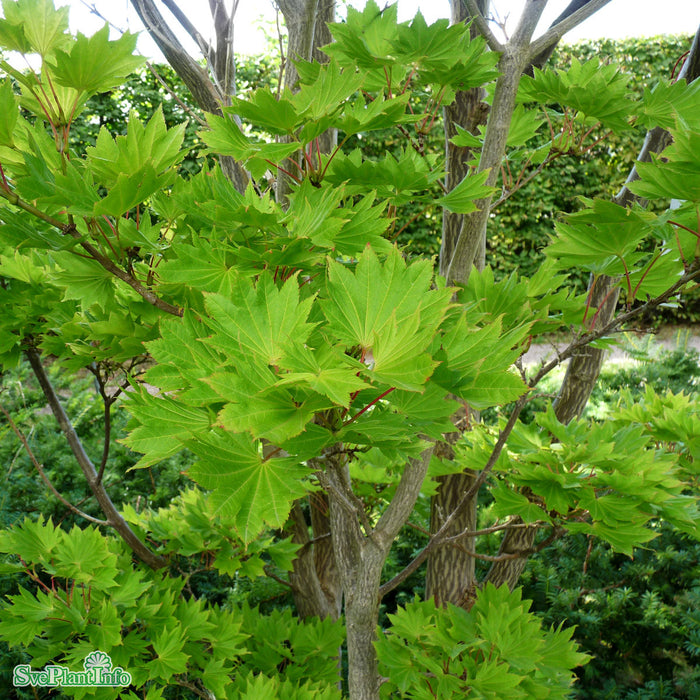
654,278
226,138
396,353
206,266
391,433
601,238
26,617
146,149
623,536
332,374
96,64
465,139
667,102
508,502
262,108
107,633
84,558
23,267
677,174
364,226
163,425
387,308
394,178
509,299
311,210
19,230
381,113
13,38
183,359
524,661
42,26
445,55
131,189
58,103
315,213
366,38
170,656
37,540
9,103
262,323
524,125
616,474
74,189
476,364
428,411
84,280
250,489
257,406
599,92
330,87
461,199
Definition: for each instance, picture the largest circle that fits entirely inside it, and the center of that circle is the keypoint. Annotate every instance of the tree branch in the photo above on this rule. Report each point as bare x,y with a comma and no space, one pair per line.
528,22
193,75
222,60
114,518
404,499
543,56
556,32
105,262
42,473
483,26
185,23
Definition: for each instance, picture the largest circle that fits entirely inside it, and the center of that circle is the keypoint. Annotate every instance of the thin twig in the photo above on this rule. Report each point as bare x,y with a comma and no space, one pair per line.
483,26
43,475
95,254
114,517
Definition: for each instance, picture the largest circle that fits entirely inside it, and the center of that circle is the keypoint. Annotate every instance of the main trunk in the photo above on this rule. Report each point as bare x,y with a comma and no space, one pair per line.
359,562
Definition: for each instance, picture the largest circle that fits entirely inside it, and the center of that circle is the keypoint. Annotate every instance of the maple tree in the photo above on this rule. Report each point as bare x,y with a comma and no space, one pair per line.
295,351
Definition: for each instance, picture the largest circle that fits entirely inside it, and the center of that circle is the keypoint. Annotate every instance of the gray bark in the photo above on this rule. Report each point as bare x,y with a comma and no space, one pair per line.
450,570
469,112
360,554
206,93
514,59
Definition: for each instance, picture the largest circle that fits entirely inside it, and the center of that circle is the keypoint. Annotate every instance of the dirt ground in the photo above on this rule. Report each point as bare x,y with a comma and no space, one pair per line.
668,337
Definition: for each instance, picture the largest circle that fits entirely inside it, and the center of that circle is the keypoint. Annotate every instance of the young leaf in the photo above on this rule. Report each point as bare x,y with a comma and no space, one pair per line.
461,199
262,322
45,27
96,64
251,490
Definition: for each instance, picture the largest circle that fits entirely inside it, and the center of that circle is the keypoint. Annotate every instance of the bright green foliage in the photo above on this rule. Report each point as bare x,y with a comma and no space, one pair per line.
97,600
676,177
597,92
617,474
286,341
496,649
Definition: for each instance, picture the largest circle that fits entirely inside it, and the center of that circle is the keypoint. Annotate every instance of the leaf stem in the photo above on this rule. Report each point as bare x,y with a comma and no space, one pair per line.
369,405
